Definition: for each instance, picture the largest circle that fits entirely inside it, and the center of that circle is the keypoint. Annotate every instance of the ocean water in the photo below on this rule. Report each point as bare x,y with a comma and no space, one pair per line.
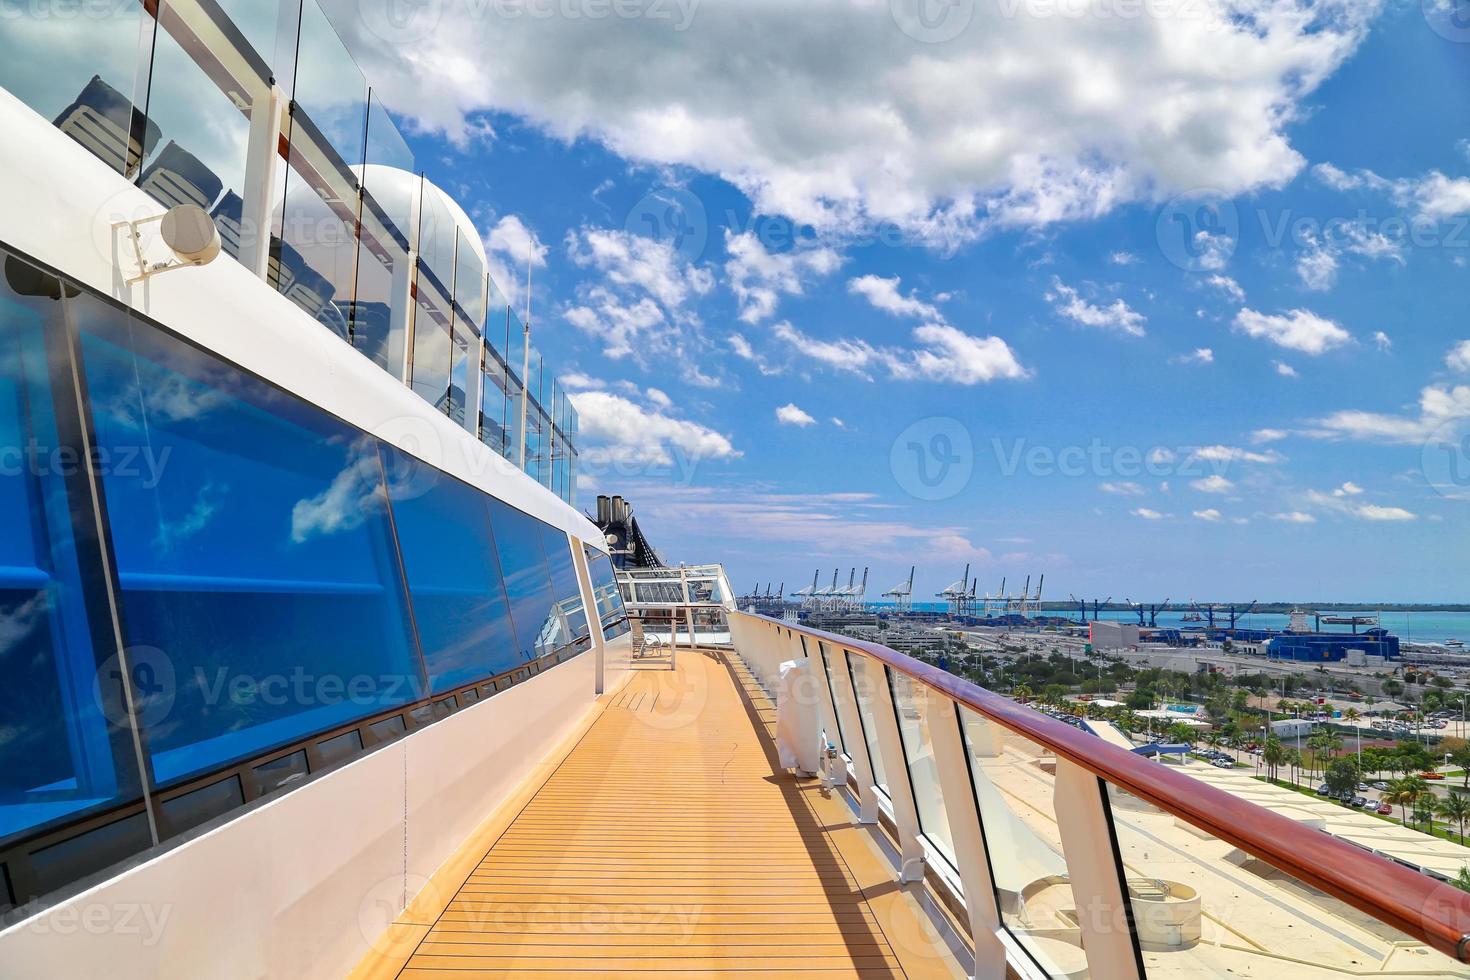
1416,627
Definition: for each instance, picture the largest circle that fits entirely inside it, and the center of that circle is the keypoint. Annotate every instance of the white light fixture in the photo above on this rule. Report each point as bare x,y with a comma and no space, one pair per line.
186,229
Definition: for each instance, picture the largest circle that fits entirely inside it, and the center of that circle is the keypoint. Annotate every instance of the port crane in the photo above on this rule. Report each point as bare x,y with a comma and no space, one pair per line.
1082,606
1152,612
902,594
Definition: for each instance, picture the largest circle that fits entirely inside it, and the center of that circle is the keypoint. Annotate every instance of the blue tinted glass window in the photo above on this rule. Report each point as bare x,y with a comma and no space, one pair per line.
570,615
609,599
453,574
255,557
64,745
527,581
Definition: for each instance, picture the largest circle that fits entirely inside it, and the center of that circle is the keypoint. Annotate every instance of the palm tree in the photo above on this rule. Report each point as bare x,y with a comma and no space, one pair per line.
1352,715
1404,793
1455,807
1294,759
1273,753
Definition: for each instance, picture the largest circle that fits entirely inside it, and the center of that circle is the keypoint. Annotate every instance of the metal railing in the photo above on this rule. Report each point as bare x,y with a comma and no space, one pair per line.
1076,857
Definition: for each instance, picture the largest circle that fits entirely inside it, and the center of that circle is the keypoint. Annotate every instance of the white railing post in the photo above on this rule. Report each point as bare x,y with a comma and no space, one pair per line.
1093,870
262,168
857,744
895,765
962,809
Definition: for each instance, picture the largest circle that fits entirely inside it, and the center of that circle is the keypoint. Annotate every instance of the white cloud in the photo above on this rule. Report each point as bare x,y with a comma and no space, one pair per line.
1458,358
1123,258
1123,488
641,264
641,305
1382,341
1209,514
615,430
789,414
943,353
948,354
1298,330
1201,355
1214,483
1372,512
838,422
1115,316
1438,404
1295,517
1235,454
884,295
1160,456
1027,116
1269,435
1433,196
659,398
509,244
1146,514
1285,370
1228,286
760,278
1348,489
1316,266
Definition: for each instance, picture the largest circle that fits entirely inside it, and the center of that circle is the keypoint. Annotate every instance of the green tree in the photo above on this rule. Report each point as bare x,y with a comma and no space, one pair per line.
1404,793
1342,776
1273,753
1461,757
1455,808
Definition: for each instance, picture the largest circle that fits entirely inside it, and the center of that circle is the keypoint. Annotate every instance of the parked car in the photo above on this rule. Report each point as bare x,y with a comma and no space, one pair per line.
1432,775
1358,802
1381,786
1384,809
1369,805
1324,790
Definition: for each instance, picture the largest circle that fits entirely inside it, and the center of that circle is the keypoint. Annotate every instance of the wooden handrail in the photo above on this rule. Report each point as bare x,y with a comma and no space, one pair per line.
1416,904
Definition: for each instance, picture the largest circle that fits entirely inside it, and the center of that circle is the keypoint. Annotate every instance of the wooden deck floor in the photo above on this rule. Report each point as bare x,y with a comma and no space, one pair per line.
666,843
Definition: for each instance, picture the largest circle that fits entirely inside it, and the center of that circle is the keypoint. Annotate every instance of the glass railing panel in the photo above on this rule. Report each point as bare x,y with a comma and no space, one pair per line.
201,98
314,260
866,676
469,284
432,344
841,734
381,307
1015,789
917,707
1203,907
68,747
516,359
437,233
82,73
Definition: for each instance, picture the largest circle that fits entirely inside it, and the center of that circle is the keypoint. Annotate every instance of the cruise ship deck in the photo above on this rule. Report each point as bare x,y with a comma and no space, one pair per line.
665,838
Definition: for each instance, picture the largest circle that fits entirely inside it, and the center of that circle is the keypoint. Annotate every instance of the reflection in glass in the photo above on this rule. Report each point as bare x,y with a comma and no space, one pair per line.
201,101
82,75
916,706
1014,780
432,344
380,309
1204,908
453,576
570,618
609,598
865,677
259,561
832,691
64,747
527,579
317,251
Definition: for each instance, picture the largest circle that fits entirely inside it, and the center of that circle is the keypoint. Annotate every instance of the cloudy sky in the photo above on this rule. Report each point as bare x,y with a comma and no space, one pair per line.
1157,297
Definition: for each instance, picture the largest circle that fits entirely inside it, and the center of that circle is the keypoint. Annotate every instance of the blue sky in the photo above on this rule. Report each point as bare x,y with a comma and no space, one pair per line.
1151,324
